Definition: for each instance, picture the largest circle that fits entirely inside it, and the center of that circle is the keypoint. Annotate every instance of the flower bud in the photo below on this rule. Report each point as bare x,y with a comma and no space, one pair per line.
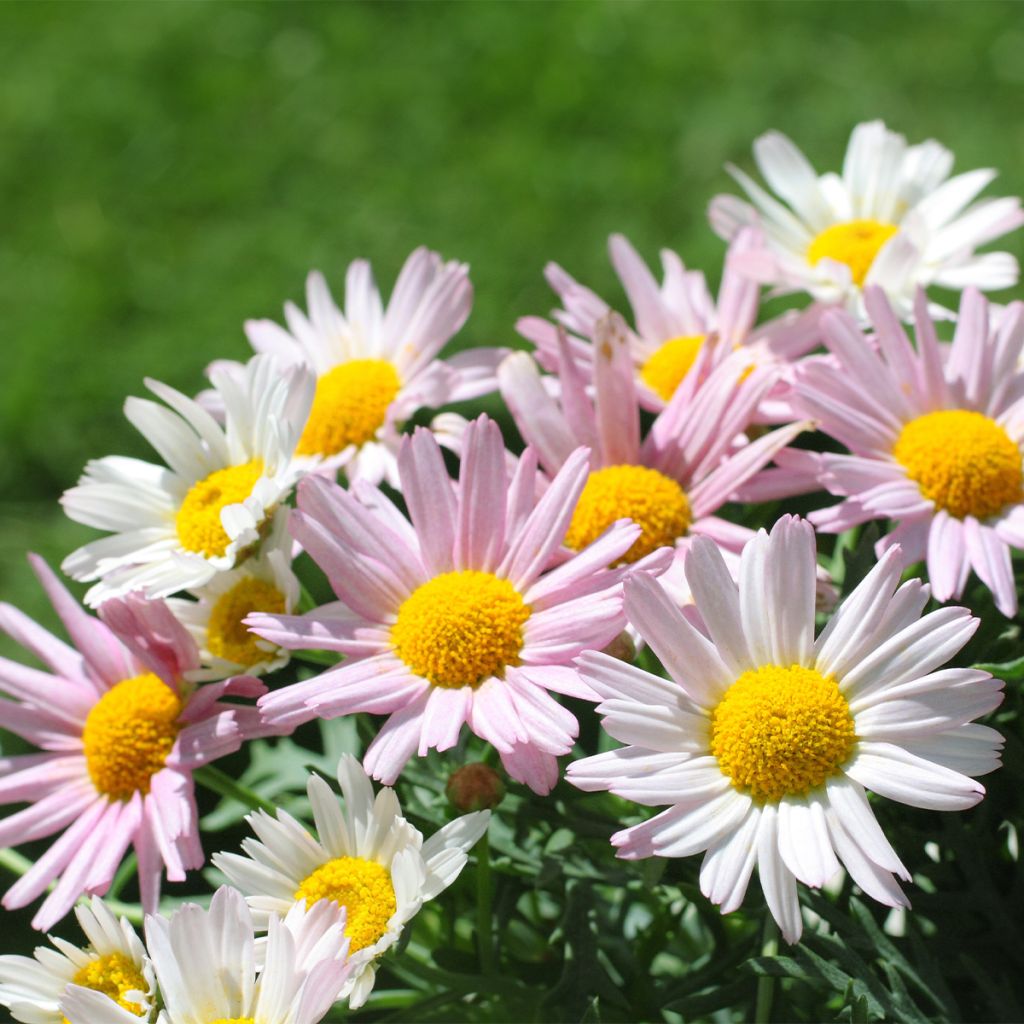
475,787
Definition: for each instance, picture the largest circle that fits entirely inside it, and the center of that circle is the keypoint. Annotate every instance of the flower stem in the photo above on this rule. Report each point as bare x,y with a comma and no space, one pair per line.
220,782
766,983
484,916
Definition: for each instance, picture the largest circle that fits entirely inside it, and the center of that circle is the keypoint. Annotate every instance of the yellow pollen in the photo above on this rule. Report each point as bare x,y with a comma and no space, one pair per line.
655,502
226,635
362,887
350,406
962,461
781,731
128,735
461,628
115,975
855,243
665,369
198,520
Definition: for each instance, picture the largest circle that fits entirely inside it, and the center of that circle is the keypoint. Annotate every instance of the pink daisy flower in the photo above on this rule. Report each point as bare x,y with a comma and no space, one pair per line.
453,618
119,734
935,437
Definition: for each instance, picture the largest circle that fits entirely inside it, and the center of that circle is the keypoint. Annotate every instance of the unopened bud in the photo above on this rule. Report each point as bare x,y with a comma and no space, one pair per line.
622,647
475,787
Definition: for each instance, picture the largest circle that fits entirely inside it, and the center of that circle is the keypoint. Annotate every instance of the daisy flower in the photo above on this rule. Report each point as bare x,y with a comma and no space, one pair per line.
936,438
206,963
119,733
368,859
671,482
763,741
215,621
674,321
113,966
175,527
452,618
893,218
374,366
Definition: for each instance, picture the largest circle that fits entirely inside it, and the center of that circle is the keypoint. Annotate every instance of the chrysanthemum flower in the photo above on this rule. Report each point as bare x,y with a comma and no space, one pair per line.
936,438
764,740
113,966
376,367
670,483
264,583
119,734
206,963
453,618
368,859
894,218
175,528
675,321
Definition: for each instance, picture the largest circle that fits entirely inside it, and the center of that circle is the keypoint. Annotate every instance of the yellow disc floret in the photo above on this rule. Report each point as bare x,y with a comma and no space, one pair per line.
115,975
350,406
129,733
655,502
227,636
961,460
781,731
461,628
362,887
665,369
855,243
198,520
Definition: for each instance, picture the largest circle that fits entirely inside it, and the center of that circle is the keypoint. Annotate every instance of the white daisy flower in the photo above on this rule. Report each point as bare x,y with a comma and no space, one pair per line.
368,859
264,583
175,528
113,968
894,218
764,740
207,964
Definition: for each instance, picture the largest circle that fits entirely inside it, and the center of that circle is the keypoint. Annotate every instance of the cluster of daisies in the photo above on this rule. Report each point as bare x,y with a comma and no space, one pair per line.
533,573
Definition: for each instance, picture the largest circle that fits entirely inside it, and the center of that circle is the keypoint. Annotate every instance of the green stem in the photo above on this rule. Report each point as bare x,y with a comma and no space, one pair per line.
484,915
220,782
766,983
306,600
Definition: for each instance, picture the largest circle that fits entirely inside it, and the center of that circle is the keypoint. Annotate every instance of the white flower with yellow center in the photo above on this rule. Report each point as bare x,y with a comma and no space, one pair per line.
764,739
894,218
176,526
369,860
113,966
210,969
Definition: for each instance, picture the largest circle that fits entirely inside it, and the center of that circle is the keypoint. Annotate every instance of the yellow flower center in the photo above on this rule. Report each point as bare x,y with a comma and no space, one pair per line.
350,406
962,461
115,975
227,636
198,520
461,628
781,731
655,502
855,243
665,369
129,733
362,887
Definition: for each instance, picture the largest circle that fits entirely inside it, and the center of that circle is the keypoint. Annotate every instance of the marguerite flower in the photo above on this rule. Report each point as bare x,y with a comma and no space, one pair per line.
176,528
764,740
119,733
453,618
113,966
674,321
936,439
671,482
894,218
206,960
368,859
374,366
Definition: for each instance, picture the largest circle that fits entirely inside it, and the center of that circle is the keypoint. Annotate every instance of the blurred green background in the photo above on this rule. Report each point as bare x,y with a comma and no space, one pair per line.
171,169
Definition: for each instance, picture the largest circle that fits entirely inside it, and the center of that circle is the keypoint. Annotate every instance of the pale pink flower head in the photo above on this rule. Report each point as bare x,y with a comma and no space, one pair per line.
119,733
675,321
454,618
935,437
763,740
